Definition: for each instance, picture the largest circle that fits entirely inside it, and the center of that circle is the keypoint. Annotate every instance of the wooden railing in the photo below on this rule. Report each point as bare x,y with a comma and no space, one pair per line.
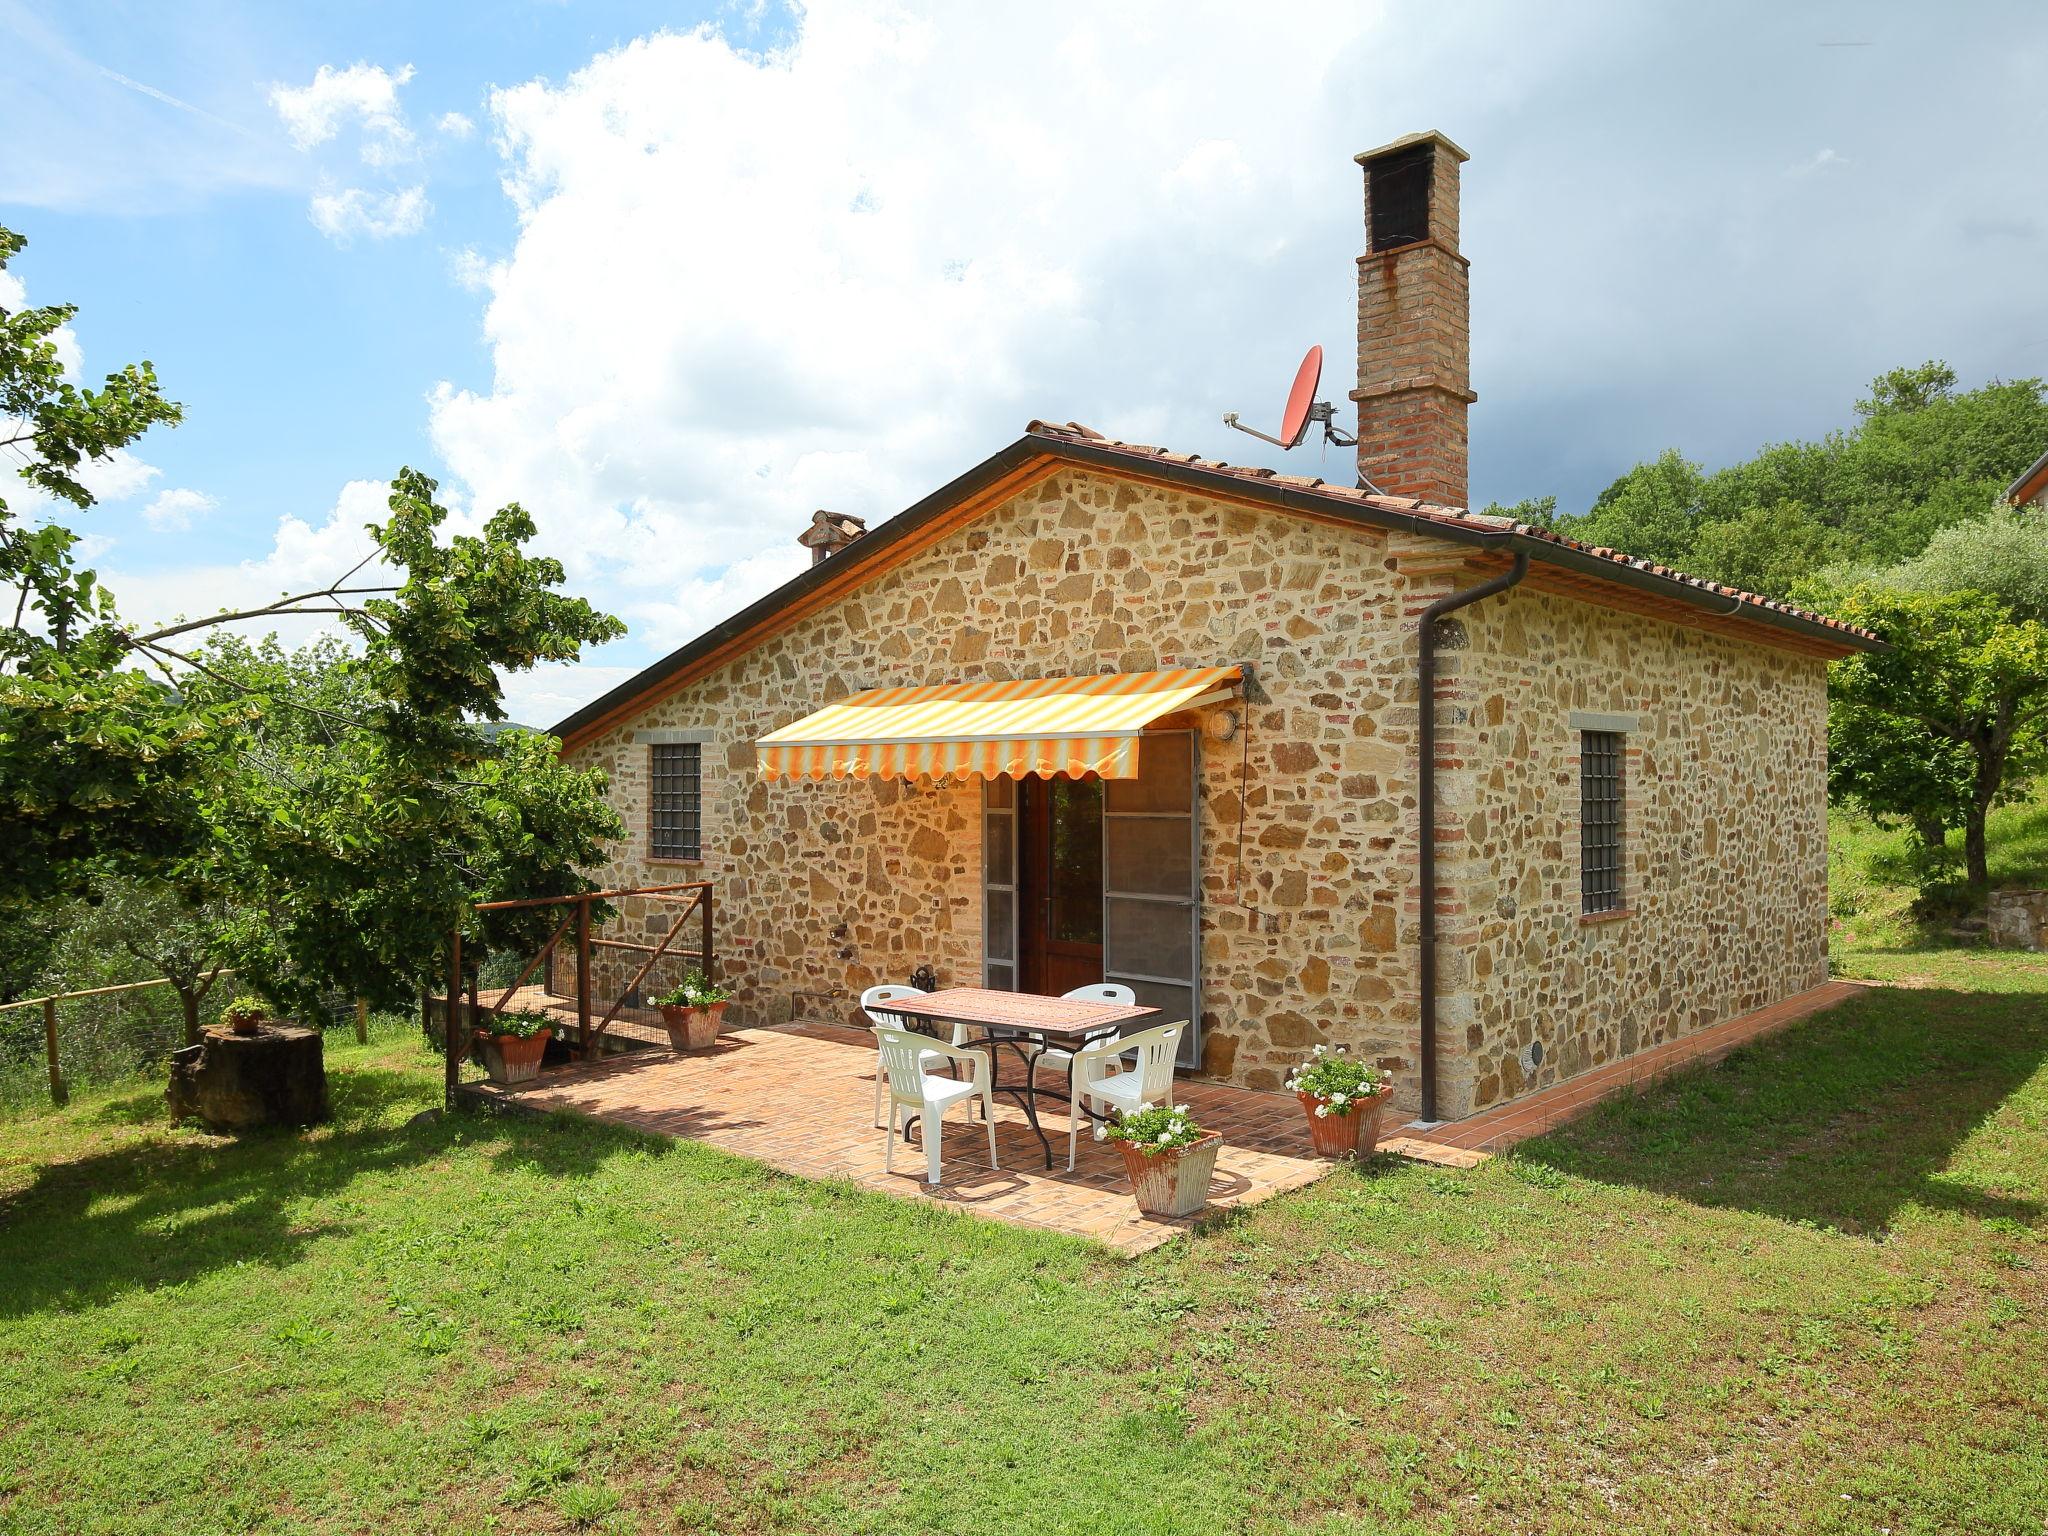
690,898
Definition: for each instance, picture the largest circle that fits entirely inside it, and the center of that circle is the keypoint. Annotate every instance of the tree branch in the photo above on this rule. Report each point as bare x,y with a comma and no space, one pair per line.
284,607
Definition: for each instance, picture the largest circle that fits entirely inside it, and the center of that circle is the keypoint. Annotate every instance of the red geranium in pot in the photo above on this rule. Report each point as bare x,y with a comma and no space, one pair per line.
693,1011
1343,1097
513,1045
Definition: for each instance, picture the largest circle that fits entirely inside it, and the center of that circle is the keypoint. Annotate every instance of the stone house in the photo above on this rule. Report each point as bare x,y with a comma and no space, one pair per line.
1100,710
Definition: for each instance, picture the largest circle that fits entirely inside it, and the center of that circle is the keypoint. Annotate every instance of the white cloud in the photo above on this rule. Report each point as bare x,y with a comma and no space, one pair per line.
1817,162
748,285
343,215
363,94
455,125
172,510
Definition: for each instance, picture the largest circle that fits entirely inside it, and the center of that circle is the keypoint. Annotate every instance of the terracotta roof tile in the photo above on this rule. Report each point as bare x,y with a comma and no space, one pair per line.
1074,432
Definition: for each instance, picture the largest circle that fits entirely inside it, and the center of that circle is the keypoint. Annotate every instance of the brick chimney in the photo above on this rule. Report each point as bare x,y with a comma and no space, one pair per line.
829,533
1414,323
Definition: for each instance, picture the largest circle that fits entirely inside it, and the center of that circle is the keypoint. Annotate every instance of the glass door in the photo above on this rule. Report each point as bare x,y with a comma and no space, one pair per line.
1151,872
999,885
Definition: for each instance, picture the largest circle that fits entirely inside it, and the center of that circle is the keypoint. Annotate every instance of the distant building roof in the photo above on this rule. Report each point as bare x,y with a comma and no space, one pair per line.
2031,486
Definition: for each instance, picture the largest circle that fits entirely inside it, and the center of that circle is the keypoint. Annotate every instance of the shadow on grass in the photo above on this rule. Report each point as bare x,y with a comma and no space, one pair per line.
1839,1122
169,1210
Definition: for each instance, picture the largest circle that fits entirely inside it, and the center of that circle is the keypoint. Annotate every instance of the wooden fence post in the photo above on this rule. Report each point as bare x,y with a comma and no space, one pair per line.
710,960
362,1021
58,1093
451,1025
583,976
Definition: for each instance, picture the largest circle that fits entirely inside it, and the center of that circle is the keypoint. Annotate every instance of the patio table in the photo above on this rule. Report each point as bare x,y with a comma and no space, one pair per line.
1025,1022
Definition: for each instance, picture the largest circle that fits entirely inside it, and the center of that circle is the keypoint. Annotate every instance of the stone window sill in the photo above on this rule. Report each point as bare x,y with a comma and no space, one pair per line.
696,863
1590,919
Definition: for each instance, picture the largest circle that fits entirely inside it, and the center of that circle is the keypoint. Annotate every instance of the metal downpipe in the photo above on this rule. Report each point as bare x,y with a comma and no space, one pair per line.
1425,681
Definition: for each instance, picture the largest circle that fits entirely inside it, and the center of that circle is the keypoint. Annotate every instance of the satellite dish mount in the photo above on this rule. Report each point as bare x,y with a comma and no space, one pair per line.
1303,409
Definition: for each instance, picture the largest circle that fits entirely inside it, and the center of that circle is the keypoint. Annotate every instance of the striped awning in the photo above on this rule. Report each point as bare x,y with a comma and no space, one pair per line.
1041,725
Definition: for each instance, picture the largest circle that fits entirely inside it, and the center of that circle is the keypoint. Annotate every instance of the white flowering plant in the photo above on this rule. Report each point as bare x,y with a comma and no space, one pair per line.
520,1024
1154,1128
1342,1082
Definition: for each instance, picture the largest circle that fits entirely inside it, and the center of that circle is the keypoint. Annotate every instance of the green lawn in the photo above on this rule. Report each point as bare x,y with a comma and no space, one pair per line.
1801,1292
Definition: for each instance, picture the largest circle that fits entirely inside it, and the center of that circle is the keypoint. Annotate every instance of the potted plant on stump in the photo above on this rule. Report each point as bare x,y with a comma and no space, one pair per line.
513,1044
245,1015
1170,1158
1343,1097
693,1011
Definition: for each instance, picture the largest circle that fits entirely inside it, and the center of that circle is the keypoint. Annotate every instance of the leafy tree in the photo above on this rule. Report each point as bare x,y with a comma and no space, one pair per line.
2004,554
1923,456
1653,511
166,931
351,806
1949,721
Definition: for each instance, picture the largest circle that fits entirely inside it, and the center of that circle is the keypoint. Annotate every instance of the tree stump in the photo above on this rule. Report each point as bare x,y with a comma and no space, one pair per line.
233,1082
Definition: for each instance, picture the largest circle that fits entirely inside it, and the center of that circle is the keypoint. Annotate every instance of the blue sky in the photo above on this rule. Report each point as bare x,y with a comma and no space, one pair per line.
674,277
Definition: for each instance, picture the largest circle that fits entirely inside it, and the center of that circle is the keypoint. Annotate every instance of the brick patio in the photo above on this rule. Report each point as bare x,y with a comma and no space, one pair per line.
801,1098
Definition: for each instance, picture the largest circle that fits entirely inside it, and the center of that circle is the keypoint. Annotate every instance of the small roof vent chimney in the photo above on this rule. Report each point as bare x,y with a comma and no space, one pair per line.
830,532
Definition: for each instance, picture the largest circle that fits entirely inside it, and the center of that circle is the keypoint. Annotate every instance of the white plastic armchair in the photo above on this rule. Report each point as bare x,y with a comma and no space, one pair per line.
1122,1092
1101,992
872,1003
905,1057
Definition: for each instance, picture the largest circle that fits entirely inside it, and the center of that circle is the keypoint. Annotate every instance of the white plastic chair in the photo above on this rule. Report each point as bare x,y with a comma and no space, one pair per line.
1101,992
871,1003
1150,1083
904,1058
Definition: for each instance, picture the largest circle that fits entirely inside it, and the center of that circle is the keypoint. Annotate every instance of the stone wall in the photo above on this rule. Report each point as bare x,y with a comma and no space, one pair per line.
2017,919
1307,819
1724,844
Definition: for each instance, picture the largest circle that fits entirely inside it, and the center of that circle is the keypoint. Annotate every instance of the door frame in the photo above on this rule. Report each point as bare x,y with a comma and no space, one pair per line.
1004,821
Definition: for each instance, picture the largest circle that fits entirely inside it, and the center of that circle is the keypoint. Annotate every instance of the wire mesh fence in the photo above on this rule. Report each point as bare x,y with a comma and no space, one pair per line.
111,1035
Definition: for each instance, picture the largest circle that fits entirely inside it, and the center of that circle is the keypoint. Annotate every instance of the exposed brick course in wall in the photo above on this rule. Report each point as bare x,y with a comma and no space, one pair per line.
841,884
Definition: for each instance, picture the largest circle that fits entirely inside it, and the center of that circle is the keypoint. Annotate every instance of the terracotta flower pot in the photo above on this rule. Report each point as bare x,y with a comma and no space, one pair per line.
692,1029
509,1059
1352,1135
1174,1182
244,1023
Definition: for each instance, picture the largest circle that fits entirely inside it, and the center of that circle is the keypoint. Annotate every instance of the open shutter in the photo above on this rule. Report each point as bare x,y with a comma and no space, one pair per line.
1151,871
999,885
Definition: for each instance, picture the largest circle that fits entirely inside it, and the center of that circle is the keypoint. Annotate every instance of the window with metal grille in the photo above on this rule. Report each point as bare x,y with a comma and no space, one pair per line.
676,814
1600,805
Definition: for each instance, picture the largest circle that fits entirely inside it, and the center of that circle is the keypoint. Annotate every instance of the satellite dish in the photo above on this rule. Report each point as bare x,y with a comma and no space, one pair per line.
1302,408
1294,420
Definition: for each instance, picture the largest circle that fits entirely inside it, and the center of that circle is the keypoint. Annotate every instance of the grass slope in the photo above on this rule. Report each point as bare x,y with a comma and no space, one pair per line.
1800,1292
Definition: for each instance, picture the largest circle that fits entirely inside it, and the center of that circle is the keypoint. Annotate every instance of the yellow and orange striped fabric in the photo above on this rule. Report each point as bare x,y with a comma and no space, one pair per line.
1041,725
